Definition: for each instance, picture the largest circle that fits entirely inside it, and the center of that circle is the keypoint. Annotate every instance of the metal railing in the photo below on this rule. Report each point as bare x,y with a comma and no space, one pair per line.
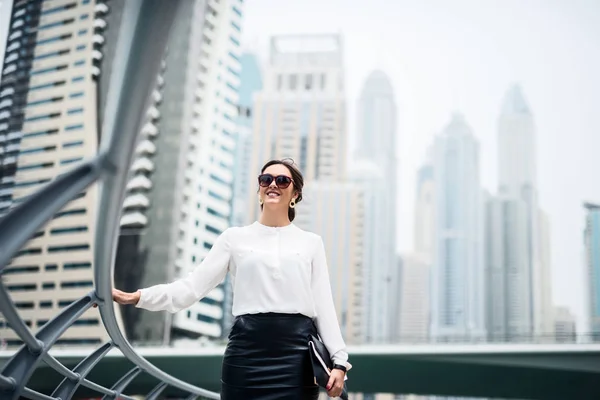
143,34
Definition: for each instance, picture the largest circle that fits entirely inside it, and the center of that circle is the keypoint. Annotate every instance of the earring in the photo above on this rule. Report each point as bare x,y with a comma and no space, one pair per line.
293,203
260,200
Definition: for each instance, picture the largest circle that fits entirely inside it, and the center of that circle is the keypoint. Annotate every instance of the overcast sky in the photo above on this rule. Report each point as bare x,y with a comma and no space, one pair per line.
446,55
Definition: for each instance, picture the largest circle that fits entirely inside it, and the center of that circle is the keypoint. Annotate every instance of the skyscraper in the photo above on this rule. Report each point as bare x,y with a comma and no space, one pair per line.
457,273
565,325
48,122
424,222
517,180
189,189
414,288
251,83
376,144
412,307
508,284
592,269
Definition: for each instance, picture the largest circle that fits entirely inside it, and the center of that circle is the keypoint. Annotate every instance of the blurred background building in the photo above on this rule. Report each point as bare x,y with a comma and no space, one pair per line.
592,264
457,296
374,168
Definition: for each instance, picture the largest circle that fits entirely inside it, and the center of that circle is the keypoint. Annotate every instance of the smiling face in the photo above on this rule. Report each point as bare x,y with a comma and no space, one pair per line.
274,196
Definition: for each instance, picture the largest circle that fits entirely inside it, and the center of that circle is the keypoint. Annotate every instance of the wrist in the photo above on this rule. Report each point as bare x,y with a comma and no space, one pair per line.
136,297
340,367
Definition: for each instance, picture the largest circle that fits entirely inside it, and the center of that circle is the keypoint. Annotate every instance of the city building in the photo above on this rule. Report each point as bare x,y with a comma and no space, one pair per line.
189,189
457,291
565,325
48,123
412,305
376,144
508,296
424,221
545,276
335,211
244,177
592,269
517,180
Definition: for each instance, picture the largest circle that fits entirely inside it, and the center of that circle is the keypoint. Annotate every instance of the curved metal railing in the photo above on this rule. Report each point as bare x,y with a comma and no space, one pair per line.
143,34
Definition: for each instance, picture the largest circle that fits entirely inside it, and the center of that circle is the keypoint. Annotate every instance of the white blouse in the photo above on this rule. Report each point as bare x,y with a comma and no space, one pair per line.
282,270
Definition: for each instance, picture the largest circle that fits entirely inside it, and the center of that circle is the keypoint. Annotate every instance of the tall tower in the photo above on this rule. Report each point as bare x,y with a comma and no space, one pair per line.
376,144
508,284
592,268
424,222
457,273
245,177
517,181
48,123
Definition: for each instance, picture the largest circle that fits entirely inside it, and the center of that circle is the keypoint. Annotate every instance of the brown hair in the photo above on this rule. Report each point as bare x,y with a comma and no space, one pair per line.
296,176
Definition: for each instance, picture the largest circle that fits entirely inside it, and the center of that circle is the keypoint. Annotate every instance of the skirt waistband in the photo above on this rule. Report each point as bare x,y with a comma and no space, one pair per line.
275,315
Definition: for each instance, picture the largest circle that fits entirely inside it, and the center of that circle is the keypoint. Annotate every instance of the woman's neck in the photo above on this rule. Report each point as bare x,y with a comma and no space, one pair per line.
273,219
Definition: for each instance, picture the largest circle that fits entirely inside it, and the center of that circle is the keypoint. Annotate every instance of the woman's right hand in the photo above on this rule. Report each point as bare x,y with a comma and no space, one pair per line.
125,298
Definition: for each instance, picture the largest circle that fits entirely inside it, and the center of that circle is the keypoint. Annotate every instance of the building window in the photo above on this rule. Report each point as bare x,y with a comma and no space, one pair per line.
293,81
69,145
75,247
70,160
308,82
71,266
75,111
76,284
61,231
73,127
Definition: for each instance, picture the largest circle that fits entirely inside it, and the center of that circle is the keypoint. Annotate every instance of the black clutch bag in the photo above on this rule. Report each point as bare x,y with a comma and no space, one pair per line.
322,364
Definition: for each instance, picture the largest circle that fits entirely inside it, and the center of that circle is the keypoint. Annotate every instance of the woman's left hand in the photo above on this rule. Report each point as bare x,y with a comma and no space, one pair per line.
336,383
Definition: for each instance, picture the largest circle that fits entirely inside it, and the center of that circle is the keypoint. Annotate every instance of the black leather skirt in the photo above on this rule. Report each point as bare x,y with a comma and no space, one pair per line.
267,358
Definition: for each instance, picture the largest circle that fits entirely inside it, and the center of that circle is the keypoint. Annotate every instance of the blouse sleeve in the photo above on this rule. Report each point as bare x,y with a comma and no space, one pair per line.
184,292
327,322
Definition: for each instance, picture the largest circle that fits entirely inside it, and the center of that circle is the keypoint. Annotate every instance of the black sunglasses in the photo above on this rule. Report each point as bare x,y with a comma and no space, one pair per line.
281,181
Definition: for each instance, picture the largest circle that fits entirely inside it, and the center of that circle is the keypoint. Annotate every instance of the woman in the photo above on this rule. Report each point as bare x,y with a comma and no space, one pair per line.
281,295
